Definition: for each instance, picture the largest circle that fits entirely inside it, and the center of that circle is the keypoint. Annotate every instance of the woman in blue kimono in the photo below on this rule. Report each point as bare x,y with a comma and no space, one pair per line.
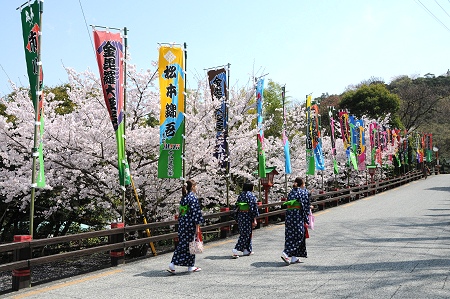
246,214
298,207
189,220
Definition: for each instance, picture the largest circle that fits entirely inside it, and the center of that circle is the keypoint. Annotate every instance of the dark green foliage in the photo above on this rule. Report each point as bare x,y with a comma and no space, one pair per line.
373,101
65,106
425,107
273,108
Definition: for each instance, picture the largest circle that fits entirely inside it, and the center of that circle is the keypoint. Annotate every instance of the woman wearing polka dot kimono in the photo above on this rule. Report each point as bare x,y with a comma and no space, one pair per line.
189,220
246,214
298,207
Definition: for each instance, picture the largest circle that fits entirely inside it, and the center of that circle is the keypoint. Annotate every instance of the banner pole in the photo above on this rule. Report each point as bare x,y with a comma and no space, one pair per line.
283,91
227,98
257,153
184,113
36,124
124,190
141,212
306,143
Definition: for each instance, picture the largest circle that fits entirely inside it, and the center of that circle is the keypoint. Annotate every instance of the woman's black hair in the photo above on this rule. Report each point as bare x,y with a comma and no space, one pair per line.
187,187
247,187
298,182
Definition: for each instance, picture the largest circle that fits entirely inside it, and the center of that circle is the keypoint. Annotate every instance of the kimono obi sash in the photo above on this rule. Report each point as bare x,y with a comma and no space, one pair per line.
184,209
293,204
243,206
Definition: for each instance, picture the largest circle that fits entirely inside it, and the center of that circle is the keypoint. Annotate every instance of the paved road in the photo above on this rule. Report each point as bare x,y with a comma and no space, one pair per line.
392,245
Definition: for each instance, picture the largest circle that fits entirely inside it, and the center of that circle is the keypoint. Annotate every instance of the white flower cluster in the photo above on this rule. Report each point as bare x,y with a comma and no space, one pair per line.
81,156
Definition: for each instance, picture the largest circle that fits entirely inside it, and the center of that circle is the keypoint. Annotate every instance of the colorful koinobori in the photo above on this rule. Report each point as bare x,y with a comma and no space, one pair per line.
171,120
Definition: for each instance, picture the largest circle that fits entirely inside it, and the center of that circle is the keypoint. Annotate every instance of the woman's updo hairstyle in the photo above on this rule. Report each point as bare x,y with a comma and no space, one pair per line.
298,182
187,187
247,187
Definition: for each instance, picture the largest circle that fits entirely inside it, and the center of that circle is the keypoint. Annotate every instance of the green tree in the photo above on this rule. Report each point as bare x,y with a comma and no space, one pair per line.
425,106
60,94
374,101
325,101
422,99
273,109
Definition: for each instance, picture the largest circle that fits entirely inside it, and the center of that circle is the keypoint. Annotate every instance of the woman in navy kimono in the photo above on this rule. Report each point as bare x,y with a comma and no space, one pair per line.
246,214
189,220
298,207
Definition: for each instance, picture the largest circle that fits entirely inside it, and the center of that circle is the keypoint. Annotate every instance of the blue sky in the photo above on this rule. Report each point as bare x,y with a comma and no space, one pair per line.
312,46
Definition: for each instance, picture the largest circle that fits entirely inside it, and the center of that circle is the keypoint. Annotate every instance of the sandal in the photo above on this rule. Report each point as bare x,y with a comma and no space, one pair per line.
195,269
171,271
286,260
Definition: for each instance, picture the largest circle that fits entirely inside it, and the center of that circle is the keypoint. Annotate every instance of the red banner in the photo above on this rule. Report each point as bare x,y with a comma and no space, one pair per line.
109,51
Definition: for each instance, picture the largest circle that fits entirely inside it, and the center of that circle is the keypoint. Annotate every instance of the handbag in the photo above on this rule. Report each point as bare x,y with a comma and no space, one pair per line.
196,246
311,220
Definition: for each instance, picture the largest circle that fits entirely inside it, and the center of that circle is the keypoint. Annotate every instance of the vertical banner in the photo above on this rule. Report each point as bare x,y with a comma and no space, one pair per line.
378,147
310,164
109,51
171,119
287,156
353,141
383,136
217,80
360,144
372,136
31,22
428,147
420,147
317,140
405,150
260,128
345,132
331,112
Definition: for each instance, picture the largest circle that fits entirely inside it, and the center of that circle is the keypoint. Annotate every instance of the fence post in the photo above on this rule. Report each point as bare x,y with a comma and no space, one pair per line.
21,278
175,240
283,207
225,230
117,255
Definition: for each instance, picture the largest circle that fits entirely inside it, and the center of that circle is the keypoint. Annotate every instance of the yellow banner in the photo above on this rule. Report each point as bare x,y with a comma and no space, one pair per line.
171,119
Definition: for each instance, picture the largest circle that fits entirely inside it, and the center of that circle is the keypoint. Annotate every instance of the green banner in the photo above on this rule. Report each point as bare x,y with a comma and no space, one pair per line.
261,159
41,175
31,34
31,22
429,155
335,167
124,171
353,160
310,162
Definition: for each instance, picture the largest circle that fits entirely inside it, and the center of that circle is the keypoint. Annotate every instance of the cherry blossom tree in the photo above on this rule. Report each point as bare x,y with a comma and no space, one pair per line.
81,160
